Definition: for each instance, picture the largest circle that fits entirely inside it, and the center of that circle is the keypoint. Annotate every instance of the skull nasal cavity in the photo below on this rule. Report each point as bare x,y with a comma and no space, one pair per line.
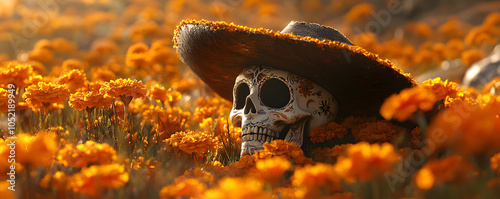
249,107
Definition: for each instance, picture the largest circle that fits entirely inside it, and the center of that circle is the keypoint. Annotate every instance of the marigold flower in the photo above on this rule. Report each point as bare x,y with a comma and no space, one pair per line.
5,192
288,150
420,29
44,94
401,106
329,154
74,80
194,142
171,120
447,170
201,113
271,170
358,12
481,35
124,88
38,150
95,179
89,99
475,133
17,74
86,154
471,56
136,55
365,162
230,188
453,49
188,188
379,131
452,29
315,181
102,74
327,132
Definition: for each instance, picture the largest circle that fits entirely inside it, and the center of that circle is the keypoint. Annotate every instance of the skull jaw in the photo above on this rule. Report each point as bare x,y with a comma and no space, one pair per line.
295,134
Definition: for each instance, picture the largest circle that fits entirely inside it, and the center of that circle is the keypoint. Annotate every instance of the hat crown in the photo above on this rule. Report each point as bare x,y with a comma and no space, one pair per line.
317,31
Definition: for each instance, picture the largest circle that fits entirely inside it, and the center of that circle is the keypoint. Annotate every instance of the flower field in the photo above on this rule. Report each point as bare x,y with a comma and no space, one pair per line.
95,103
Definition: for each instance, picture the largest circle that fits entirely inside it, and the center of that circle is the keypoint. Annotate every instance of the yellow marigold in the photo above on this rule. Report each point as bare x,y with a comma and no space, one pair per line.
86,154
358,12
401,106
290,151
198,143
230,188
188,188
102,74
17,74
471,56
365,162
453,169
4,100
74,80
89,99
38,150
271,170
136,55
467,128
124,88
44,94
316,181
327,132
95,179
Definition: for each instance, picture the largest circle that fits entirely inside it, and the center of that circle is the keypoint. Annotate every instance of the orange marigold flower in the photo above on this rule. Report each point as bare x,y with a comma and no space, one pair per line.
17,74
271,170
194,142
124,87
230,188
481,35
172,120
315,181
452,29
378,131
201,113
453,49
73,64
89,99
471,56
447,170
95,179
102,74
86,154
327,132
420,29
365,162
44,94
74,80
358,12
136,55
329,154
401,106
187,188
290,151
38,150
158,93
467,128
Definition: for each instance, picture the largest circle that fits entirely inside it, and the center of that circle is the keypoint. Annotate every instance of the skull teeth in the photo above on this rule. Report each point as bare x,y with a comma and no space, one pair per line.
258,133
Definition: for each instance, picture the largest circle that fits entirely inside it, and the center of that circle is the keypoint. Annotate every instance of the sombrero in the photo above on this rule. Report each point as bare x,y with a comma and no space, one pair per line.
360,81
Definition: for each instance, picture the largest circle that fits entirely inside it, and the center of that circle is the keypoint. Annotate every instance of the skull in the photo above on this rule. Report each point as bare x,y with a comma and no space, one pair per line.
272,104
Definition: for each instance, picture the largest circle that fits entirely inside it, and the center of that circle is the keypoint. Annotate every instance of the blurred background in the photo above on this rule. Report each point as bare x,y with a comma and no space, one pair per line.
427,38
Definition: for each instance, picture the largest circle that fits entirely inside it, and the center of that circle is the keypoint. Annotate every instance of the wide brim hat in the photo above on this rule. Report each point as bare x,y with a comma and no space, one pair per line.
218,52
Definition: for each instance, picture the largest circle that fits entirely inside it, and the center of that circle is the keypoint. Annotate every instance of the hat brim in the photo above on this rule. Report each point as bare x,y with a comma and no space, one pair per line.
218,52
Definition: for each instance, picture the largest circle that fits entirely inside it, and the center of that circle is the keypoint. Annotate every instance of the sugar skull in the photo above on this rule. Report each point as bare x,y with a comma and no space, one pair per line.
272,104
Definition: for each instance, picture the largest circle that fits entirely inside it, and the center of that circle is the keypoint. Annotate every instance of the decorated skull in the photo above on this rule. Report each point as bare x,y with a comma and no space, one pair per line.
272,104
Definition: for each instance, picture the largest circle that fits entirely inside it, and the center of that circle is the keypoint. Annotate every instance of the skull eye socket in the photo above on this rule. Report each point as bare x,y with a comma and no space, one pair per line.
240,95
274,93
